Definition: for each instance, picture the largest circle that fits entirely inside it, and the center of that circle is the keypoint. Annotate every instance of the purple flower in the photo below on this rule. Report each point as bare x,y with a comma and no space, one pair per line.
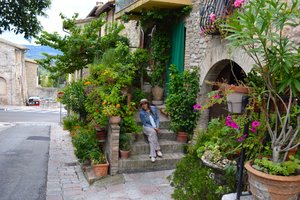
228,118
255,124
240,139
212,17
197,107
216,96
228,123
234,125
253,129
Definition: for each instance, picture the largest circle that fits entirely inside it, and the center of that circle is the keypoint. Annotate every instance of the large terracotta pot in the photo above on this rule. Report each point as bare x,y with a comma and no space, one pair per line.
158,93
182,137
101,169
270,187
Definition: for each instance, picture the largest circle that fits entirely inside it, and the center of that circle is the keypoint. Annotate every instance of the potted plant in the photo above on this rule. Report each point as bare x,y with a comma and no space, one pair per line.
160,47
183,90
99,162
125,145
259,29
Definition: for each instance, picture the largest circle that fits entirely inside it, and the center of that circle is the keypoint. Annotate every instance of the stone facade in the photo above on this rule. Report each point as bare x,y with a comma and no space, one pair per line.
13,83
31,76
211,55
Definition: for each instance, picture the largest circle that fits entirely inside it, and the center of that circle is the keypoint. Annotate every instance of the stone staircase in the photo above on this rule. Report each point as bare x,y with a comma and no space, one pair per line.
139,157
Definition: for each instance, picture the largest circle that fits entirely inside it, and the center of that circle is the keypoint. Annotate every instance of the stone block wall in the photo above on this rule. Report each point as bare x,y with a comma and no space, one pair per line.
31,77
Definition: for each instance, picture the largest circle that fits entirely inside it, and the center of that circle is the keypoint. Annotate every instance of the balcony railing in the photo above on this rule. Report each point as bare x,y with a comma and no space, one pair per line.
220,8
121,4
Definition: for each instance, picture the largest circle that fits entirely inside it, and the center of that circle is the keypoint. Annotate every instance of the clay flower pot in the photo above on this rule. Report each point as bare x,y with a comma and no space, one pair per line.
101,169
158,93
114,119
270,187
124,154
182,137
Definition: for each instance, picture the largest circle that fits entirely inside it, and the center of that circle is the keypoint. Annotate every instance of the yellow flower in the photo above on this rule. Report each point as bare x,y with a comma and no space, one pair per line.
118,105
104,102
87,83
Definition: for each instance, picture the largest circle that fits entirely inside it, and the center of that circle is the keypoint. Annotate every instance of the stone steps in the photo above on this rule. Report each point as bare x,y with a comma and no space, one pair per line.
163,134
140,163
167,146
139,160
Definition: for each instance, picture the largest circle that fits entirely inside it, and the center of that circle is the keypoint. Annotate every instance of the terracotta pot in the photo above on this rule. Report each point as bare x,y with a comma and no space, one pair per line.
124,154
182,137
114,119
101,169
101,134
270,187
158,93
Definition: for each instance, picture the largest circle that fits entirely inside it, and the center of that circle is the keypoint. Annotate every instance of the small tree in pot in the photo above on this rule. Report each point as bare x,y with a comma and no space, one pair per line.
261,29
183,91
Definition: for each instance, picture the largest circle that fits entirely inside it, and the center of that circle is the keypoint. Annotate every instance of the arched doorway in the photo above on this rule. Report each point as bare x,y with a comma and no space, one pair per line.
224,71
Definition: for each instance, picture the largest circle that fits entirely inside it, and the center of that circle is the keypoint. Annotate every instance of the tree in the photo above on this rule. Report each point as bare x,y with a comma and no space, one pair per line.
21,16
80,47
259,29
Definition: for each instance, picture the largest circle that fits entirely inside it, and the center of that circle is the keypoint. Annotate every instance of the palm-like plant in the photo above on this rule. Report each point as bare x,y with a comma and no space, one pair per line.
259,29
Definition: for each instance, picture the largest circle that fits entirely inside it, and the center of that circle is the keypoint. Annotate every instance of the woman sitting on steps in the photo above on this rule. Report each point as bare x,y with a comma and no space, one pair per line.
150,121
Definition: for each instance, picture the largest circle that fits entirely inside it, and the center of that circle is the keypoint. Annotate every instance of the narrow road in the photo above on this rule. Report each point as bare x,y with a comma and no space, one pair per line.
24,151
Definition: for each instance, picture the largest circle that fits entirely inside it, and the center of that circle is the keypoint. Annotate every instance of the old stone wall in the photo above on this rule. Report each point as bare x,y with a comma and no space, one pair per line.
12,74
31,77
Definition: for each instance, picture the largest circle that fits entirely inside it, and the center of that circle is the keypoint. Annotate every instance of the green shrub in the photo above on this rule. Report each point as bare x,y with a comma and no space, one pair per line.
84,142
70,121
183,91
194,183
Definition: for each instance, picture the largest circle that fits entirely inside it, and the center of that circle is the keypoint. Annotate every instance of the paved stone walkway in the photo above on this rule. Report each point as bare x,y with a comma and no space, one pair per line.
67,182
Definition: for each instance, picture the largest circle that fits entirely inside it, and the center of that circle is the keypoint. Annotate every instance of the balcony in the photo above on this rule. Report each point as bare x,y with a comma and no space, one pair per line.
220,8
136,6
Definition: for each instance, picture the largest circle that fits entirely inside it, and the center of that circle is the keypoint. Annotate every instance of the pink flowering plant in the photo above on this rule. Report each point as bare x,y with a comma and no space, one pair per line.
215,20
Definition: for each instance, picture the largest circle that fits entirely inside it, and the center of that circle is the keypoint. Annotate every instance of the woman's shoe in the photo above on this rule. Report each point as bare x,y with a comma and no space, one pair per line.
159,153
152,159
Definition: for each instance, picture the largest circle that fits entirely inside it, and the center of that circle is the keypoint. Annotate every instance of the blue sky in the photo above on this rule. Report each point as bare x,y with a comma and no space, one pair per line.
53,22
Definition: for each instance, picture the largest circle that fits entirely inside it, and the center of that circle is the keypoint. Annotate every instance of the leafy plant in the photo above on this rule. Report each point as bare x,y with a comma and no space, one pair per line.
183,90
74,98
125,141
97,156
84,141
70,121
186,182
259,29
287,168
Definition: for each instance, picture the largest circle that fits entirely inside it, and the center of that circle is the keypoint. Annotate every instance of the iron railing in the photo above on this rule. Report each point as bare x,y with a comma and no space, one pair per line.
121,4
221,9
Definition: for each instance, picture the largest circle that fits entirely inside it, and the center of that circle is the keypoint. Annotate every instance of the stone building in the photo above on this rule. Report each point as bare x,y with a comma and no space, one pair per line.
13,85
209,52
32,76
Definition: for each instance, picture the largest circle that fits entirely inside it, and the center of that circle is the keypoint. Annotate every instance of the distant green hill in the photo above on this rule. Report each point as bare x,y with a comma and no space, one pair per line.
35,52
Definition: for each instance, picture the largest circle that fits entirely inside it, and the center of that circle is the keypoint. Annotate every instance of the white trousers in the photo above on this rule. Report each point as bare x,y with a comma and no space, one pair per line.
153,140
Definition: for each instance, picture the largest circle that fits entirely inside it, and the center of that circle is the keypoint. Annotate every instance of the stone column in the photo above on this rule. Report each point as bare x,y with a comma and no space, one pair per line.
112,148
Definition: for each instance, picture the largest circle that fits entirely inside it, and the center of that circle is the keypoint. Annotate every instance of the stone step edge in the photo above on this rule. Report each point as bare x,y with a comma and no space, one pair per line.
145,157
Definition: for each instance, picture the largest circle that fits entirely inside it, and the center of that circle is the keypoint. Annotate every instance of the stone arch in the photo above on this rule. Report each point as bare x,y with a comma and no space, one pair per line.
3,86
217,62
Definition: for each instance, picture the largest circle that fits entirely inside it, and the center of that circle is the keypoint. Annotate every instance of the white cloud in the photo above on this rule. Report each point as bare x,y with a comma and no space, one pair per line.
53,23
